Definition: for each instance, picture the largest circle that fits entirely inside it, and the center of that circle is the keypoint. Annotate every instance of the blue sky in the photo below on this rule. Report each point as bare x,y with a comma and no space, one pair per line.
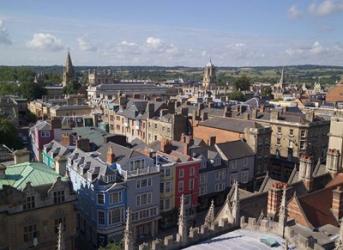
172,32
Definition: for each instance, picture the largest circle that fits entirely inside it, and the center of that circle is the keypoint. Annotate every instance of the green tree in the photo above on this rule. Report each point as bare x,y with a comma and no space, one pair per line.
266,92
8,88
112,246
237,96
242,83
72,88
8,134
31,90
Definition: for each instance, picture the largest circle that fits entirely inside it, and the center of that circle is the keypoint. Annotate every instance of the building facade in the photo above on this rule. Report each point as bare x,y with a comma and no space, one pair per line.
41,133
33,206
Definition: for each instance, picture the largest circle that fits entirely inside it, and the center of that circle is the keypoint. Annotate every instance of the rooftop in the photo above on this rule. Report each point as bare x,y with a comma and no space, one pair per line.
19,175
238,240
230,124
235,149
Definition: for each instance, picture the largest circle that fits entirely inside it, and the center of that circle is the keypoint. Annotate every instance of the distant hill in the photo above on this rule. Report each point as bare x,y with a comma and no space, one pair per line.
293,74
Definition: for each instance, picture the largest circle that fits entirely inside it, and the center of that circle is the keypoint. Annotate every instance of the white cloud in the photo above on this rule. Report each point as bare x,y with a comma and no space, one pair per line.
326,7
315,51
153,42
86,45
239,45
45,41
128,44
294,12
4,36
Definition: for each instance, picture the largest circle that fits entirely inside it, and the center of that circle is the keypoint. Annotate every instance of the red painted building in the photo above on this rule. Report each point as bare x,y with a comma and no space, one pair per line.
187,183
41,133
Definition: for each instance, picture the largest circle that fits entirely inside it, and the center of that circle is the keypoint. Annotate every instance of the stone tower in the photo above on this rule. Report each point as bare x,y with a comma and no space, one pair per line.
209,78
68,71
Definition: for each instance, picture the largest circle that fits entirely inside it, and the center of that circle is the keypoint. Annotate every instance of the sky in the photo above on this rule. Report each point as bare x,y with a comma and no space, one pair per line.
172,32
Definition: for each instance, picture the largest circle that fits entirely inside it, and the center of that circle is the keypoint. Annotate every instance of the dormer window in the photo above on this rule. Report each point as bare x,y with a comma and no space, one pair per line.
45,134
110,178
59,197
29,203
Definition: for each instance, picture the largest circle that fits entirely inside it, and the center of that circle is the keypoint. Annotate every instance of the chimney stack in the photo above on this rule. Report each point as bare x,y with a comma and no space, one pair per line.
274,115
254,114
332,161
184,112
212,140
150,109
171,107
21,155
67,139
306,171
227,111
246,116
204,116
83,144
110,156
163,112
337,202
165,146
309,115
274,198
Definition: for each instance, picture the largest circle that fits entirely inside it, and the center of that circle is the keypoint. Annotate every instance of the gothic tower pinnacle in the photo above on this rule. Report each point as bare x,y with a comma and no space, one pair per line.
68,70
209,78
60,239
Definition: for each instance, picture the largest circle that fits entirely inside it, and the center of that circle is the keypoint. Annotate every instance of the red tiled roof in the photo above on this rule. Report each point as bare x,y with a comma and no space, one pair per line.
317,205
335,94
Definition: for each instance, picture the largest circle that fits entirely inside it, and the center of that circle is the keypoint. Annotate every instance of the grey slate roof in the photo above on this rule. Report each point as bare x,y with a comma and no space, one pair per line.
54,149
122,154
95,135
89,162
230,124
235,149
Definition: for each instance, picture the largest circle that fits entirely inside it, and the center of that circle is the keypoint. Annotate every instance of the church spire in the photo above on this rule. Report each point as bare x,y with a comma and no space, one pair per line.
68,64
282,76
235,204
182,221
283,212
60,238
68,70
128,238
209,219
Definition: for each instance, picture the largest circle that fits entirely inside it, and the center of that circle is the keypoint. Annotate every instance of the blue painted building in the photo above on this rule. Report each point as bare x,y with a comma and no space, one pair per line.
101,197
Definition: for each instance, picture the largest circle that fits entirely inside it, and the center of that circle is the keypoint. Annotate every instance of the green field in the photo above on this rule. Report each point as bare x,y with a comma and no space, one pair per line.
308,74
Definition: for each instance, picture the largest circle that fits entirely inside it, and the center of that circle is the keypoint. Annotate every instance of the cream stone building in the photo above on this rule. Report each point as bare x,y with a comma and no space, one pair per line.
334,162
295,133
209,78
